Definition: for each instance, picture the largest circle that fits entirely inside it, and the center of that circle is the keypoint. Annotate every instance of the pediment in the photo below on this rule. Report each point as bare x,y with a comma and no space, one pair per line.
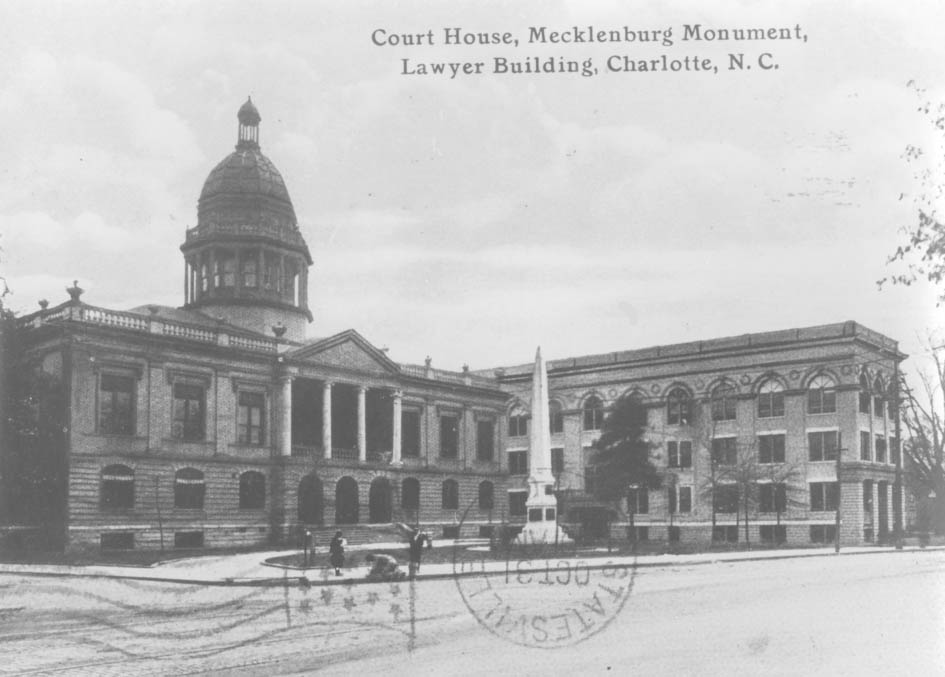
348,351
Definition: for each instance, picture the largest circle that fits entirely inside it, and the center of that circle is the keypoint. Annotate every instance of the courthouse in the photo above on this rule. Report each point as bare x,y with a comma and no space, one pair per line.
222,423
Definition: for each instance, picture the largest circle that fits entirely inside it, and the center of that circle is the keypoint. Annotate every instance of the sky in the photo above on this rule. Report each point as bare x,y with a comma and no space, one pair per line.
471,218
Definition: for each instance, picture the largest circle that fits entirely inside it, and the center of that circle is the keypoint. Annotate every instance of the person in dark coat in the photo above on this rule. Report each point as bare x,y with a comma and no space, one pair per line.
416,542
336,550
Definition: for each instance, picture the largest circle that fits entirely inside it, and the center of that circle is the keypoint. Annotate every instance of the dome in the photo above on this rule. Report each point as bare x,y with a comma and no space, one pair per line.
246,187
245,172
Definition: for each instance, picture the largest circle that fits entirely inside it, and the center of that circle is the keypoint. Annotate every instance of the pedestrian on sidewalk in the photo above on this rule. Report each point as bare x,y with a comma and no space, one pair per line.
336,550
416,540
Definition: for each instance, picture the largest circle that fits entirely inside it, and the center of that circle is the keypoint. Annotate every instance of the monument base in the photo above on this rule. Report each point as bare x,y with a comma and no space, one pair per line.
542,533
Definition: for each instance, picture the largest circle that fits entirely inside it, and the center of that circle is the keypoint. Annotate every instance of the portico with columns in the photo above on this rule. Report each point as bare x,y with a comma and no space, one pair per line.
359,435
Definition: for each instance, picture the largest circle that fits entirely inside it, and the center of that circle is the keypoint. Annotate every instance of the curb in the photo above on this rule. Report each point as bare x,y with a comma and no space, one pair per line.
591,563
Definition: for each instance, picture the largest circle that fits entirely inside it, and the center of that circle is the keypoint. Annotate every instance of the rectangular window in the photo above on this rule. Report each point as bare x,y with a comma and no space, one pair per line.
723,407
410,433
674,534
518,426
773,533
879,407
116,405
865,451
485,440
724,451
771,448
188,421
451,532
680,454
823,533
117,540
557,421
823,496
229,272
822,446
725,498
680,499
642,533
726,534
449,436
864,401
517,503
880,449
188,539
590,479
640,500
557,461
518,462
770,405
250,417
249,272
893,450
772,497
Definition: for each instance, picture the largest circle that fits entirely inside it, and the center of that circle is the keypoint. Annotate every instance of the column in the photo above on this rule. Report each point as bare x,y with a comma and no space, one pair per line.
260,269
187,298
362,425
326,420
398,416
285,438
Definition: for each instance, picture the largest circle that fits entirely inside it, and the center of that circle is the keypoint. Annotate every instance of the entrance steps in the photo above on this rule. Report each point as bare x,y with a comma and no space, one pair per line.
355,534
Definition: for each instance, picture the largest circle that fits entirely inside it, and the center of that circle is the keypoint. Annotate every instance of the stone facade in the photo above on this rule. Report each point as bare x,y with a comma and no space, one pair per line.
769,381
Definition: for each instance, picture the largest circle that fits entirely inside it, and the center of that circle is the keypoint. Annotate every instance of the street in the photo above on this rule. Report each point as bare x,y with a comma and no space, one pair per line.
864,614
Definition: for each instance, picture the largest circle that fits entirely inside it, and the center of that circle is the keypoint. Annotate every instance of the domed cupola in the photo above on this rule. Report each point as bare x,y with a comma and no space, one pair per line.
246,259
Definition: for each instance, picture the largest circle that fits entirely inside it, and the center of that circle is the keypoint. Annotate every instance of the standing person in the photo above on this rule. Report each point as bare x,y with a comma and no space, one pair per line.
417,539
336,550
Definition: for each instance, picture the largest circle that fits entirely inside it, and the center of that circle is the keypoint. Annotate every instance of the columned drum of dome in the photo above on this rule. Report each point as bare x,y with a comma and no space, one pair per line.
246,259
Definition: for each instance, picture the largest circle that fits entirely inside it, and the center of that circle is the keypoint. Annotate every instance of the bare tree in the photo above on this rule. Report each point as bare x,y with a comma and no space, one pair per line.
923,416
922,252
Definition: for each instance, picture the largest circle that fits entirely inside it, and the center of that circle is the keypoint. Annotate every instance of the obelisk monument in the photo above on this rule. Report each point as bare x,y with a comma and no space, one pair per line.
542,505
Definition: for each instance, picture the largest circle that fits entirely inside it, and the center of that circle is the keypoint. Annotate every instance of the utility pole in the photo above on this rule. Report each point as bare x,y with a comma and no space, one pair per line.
157,503
836,540
897,487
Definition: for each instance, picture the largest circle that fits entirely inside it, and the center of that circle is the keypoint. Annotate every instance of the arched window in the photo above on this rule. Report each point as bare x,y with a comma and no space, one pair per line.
637,409
593,413
879,401
252,490
556,417
821,395
678,407
347,501
770,399
410,494
723,403
118,488
518,422
865,395
486,493
450,495
189,489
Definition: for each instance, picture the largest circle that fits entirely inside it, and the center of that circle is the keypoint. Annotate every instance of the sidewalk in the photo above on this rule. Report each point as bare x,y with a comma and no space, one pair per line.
251,569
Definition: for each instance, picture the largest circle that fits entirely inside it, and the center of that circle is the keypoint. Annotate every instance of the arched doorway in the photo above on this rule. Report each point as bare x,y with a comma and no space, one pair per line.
311,500
346,501
379,501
